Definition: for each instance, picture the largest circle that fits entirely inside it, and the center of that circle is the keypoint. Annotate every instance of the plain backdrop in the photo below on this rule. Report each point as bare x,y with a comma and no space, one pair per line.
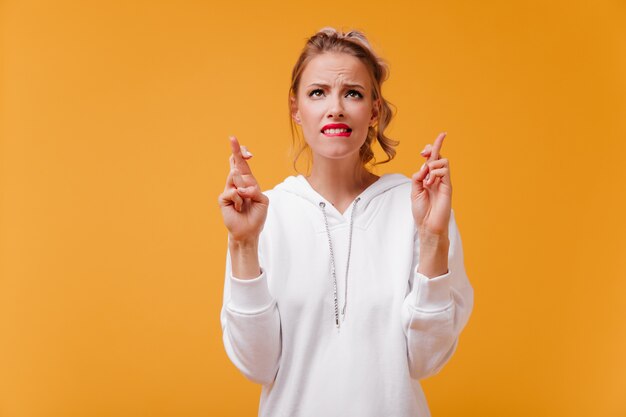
114,124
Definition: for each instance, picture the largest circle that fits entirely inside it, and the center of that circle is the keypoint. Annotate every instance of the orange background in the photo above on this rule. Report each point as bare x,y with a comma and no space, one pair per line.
114,121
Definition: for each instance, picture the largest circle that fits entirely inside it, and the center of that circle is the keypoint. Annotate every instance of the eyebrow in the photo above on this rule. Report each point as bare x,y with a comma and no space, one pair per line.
348,85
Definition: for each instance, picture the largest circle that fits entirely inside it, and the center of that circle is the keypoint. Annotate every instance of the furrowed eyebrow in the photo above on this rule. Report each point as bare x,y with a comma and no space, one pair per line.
344,85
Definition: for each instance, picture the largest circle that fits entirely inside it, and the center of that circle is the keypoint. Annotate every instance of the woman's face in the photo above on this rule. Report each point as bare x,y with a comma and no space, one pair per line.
334,105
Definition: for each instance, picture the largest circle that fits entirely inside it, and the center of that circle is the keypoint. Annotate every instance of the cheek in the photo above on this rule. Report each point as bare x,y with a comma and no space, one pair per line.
311,119
361,110
311,110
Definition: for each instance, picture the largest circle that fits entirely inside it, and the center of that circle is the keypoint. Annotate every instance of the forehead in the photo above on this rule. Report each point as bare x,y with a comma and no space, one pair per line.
333,68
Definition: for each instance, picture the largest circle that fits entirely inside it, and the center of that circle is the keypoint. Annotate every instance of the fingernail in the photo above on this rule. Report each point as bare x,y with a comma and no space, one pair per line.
423,165
245,151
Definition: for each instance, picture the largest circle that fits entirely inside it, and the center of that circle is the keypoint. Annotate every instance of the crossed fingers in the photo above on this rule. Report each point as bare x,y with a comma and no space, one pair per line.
239,156
434,150
240,174
437,166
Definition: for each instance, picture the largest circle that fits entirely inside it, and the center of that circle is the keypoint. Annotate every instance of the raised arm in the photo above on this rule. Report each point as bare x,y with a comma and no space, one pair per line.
440,299
249,317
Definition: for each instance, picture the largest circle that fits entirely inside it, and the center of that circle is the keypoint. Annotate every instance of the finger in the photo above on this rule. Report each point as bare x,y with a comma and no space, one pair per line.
422,172
254,193
439,163
238,180
236,199
418,186
426,152
239,161
243,180
434,154
441,173
418,179
235,179
231,197
246,153
434,165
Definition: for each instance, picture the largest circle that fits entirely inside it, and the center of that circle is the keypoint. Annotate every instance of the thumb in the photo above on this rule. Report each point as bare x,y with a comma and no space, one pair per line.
254,193
418,180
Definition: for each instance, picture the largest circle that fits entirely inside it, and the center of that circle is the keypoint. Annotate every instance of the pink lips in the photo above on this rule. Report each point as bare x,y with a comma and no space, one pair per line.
337,126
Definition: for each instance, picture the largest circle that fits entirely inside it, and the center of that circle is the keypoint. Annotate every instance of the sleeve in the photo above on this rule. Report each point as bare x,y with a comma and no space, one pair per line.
251,326
436,310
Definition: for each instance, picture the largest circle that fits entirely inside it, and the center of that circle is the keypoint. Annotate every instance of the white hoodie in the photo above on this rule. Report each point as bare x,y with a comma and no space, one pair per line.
399,326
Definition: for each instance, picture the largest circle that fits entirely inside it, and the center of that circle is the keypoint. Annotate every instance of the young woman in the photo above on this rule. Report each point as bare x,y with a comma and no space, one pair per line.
342,289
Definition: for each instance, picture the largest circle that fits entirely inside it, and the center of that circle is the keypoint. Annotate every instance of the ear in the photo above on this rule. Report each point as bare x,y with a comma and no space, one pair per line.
375,112
295,113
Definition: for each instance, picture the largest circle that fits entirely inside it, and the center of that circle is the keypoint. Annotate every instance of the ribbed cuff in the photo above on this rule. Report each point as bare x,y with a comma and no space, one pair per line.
432,294
250,295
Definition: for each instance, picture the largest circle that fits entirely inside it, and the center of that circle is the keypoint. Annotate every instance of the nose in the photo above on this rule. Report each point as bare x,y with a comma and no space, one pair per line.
335,108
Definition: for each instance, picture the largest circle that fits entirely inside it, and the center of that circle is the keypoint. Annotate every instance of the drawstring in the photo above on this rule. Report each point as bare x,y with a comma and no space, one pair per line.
332,261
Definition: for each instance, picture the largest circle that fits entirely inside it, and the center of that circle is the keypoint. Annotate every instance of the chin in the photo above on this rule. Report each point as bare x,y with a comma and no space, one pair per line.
337,153
335,148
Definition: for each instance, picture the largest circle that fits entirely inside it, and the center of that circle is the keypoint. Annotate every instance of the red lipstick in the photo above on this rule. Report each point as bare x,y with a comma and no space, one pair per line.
337,126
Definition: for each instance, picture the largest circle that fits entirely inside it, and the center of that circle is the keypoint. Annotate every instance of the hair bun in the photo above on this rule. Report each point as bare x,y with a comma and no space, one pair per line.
352,35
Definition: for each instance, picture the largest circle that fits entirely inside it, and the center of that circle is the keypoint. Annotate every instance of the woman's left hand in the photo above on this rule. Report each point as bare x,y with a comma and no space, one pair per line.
431,195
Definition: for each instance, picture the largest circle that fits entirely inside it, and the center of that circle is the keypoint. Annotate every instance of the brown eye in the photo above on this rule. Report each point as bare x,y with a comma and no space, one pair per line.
354,93
314,92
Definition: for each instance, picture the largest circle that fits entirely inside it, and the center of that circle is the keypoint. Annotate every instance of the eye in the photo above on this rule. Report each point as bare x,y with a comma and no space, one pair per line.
354,93
315,92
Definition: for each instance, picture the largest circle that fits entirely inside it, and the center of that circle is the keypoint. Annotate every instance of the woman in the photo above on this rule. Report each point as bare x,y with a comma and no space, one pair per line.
342,289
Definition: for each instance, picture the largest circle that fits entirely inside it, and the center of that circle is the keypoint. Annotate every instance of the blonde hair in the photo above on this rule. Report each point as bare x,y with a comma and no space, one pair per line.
354,43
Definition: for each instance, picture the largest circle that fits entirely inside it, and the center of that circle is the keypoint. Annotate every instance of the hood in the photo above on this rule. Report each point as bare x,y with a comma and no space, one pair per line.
300,186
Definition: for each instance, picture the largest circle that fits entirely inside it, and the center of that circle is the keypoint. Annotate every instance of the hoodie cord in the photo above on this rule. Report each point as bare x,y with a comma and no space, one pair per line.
332,261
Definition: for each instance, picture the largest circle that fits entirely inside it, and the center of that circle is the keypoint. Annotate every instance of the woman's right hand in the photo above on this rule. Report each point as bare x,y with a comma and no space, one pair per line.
243,205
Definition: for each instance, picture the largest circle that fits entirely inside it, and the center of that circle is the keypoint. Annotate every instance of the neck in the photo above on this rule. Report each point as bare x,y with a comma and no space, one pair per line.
338,180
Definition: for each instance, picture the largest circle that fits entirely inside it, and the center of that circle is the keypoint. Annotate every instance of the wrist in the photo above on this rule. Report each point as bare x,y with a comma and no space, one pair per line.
251,243
433,240
433,255
244,258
